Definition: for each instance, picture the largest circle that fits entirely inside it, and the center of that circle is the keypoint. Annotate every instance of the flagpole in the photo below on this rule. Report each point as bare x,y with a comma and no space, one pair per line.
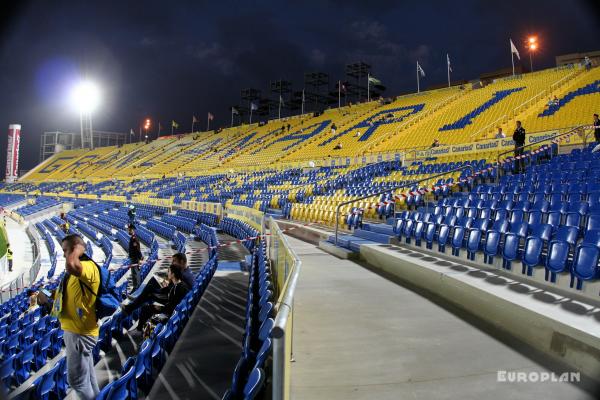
171,128
302,112
368,87
448,62
250,113
140,137
339,93
418,88
512,55
207,123
232,117
193,121
279,116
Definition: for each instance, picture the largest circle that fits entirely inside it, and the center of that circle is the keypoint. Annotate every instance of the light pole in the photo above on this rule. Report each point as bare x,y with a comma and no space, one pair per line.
85,97
147,123
532,46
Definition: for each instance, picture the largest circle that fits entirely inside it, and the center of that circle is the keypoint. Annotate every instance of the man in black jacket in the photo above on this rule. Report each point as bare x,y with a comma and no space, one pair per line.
135,257
519,139
596,128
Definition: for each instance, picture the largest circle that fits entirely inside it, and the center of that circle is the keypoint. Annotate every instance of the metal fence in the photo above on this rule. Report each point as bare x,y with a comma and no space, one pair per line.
285,268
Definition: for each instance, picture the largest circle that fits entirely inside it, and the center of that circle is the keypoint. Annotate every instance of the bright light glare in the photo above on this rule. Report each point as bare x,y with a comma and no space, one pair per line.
533,46
532,39
85,97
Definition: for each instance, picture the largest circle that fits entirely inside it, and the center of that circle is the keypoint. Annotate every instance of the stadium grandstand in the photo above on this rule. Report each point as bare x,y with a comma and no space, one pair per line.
388,248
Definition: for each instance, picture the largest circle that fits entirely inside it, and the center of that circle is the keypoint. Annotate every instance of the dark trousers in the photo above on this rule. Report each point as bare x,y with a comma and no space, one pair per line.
10,265
519,164
147,311
152,292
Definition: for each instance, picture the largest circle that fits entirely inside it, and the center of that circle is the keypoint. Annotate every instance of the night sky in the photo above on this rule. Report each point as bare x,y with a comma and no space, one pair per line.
173,59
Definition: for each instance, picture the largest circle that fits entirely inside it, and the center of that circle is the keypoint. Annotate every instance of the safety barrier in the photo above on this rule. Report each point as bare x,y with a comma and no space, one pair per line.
251,216
285,266
203,206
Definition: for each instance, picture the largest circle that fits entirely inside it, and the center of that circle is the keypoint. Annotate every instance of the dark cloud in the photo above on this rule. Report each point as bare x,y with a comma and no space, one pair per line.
172,60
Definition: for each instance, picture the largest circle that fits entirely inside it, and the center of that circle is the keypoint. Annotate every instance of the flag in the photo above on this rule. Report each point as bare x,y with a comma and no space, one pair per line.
373,81
159,126
210,116
514,50
174,124
234,110
281,100
420,70
253,106
194,119
448,59
131,132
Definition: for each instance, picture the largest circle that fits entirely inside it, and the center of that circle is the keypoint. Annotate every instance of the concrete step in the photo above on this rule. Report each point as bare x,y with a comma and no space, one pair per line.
379,228
374,236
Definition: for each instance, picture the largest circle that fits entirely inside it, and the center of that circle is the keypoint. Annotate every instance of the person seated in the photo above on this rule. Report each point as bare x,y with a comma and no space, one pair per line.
555,101
500,134
32,300
157,290
45,301
436,143
338,146
177,291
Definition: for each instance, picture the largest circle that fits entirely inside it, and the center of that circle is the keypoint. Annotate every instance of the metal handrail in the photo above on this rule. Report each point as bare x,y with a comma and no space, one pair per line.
284,310
577,128
339,206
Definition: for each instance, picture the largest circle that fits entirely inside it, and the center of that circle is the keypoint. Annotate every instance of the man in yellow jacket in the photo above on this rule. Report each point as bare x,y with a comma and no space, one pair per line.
9,257
77,314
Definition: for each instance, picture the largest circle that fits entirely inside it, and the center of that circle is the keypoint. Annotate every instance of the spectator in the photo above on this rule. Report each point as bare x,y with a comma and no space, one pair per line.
519,138
436,143
555,101
333,129
65,226
44,299
177,291
32,300
131,214
550,102
9,257
75,306
338,146
357,134
157,290
500,134
596,128
587,63
135,257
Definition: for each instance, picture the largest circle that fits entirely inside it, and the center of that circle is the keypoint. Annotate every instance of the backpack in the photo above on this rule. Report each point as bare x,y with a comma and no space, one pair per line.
107,298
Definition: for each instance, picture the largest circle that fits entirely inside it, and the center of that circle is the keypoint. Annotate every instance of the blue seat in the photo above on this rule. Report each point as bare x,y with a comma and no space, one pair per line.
46,385
510,251
23,363
7,372
124,388
585,264
534,246
254,384
556,260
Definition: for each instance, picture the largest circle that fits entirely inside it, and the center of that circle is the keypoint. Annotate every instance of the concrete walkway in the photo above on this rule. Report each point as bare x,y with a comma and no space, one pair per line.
21,247
360,336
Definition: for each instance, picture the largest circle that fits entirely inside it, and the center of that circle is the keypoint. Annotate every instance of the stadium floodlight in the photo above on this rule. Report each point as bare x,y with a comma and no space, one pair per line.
85,97
532,46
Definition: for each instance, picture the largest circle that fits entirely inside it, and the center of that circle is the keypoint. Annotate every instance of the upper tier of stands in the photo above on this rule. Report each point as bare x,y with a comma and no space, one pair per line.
452,115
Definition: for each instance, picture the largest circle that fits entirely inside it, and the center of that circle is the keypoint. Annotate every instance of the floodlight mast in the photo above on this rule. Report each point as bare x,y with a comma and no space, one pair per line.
86,97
